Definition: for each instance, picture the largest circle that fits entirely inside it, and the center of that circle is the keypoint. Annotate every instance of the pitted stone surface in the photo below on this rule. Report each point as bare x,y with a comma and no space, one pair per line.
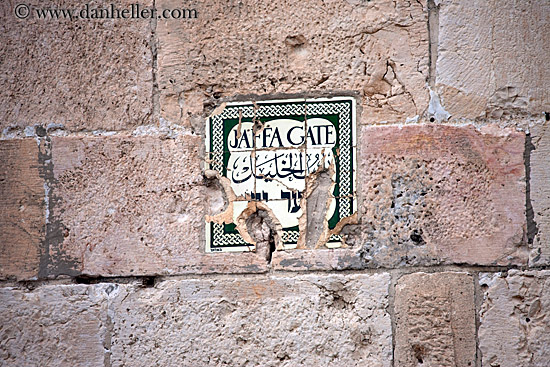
435,320
440,194
56,325
514,319
84,74
275,321
264,47
22,207
492,57
540,192
134,206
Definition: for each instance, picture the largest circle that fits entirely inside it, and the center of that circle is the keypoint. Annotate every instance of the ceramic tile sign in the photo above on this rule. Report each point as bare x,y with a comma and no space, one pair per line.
272,156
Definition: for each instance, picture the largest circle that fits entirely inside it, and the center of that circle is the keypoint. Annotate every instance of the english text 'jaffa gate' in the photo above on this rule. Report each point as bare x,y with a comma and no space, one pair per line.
340,183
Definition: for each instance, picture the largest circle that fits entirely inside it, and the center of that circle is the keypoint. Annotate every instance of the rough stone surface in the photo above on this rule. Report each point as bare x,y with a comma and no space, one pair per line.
23,213
135,205
440,194
492,57
54,326
85,74
514,319
379,49
318,259
435,320
540,193
315,320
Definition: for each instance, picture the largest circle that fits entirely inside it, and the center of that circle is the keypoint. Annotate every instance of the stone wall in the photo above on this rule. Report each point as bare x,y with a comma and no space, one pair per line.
104,193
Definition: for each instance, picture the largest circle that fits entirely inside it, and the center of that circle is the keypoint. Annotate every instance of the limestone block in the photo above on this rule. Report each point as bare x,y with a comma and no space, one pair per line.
85,74
312,320
22,207
440,194
435,320
55,325
492,57
514,325
136,206
378,49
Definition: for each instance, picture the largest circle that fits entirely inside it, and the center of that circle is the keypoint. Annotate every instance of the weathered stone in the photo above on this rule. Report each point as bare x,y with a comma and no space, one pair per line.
319,259
440,194
514,319
275,321
539,193
85,74
22,222
379,49
435,320
492,57
56,325
132,206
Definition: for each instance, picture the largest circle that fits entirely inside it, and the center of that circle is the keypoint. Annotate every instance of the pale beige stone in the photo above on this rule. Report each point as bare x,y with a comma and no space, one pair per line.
492,57
313,320
514,325
540,192
435,320
432,194
23,213
55,325
85,74
135,206
319,259
378,49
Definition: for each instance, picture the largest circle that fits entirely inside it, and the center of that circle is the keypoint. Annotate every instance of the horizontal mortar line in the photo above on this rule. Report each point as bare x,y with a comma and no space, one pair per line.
417,269
268,274
172,127
177,130
462,122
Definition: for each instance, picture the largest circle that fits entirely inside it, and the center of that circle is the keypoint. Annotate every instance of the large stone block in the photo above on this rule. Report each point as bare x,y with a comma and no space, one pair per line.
379,49
262,321
435,320
22,203
135,205
514,318
539,193
56,325
432,194
83,73
492,57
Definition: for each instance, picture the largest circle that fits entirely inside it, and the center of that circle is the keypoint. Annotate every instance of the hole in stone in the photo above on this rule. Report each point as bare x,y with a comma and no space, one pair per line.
547,116
432,119
416,237
40,131
418,353
148,282
527,319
